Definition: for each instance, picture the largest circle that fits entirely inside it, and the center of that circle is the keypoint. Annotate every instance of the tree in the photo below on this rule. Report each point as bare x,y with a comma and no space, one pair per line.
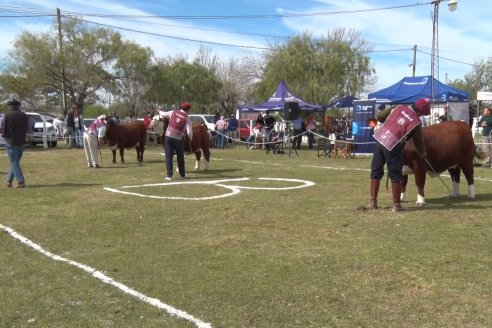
236,78
319,70
176,80
479,79
131,76
88,57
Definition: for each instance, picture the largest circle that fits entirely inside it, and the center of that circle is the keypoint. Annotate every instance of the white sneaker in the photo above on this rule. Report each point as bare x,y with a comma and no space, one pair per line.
168,178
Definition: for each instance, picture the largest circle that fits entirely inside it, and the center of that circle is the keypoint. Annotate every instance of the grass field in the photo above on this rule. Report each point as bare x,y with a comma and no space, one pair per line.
238,252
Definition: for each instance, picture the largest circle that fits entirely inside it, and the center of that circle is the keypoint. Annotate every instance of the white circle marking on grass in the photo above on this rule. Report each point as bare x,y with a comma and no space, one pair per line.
234,189
108,280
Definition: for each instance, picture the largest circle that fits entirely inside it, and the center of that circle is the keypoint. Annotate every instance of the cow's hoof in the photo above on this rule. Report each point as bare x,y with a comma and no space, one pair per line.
471,199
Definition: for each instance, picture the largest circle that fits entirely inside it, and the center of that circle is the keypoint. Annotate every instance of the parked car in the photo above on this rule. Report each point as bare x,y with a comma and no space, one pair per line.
40,123
244,129
207,120
88,122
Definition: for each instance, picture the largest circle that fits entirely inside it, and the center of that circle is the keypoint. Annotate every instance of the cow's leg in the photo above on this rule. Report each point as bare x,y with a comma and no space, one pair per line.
468,171
420,175
114,155
198,156
403,185
455,178
206,155
122,154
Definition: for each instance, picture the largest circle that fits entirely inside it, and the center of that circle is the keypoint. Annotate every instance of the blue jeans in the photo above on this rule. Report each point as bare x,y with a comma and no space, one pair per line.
172,145
15,154
221,138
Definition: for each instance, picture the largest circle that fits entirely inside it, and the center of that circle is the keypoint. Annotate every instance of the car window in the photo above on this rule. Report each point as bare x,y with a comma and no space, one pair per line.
37,118
196,119
209,118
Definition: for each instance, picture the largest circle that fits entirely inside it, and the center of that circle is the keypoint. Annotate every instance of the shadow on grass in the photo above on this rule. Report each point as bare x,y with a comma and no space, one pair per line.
461,202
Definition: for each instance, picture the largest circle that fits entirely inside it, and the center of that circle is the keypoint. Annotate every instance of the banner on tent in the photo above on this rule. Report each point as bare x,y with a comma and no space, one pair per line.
363,110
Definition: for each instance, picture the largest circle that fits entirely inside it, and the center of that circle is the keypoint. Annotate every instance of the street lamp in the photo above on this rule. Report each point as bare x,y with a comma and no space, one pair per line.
452,6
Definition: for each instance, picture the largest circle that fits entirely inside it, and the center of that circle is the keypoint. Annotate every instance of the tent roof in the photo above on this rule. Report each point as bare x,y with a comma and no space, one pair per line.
409,89
343,102
276,102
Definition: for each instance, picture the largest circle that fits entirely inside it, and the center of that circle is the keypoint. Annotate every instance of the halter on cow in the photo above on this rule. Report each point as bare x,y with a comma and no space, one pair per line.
131,134
199,143
449,146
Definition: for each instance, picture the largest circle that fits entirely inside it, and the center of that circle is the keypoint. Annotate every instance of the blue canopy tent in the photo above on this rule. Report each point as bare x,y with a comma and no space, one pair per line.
276,102
343,102
409,89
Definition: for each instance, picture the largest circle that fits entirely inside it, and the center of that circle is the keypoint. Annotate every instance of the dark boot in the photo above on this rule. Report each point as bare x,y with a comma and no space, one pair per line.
374,194
396,192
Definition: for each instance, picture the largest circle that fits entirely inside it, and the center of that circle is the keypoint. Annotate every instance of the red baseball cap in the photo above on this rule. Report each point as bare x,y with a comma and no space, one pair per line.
423,105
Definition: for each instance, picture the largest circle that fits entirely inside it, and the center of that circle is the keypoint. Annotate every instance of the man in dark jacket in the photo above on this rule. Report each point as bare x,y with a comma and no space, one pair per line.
14,126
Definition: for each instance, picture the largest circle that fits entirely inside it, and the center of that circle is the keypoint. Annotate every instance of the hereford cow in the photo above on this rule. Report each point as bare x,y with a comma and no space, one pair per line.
131,134
449,146
199,143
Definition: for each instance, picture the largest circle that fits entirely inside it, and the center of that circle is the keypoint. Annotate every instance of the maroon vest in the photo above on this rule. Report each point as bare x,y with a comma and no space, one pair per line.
400,122
177,124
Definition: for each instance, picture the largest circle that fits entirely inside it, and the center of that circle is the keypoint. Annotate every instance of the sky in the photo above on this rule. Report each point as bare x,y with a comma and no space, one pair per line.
236,28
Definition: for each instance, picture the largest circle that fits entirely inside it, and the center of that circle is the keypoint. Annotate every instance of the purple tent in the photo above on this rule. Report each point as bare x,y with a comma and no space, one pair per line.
276,102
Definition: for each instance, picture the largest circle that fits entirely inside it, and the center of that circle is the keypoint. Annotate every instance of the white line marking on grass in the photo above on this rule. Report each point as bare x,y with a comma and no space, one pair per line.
235,189
108,280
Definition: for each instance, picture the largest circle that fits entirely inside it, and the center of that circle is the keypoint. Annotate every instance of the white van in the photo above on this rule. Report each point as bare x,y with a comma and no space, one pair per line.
205,119
40,123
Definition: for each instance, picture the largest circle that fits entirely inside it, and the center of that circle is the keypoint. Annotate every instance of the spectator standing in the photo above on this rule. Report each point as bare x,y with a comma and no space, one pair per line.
269,125
486,123
147,120
93,141
216,117
59,125
221,128
78,122
444,116
403,123
178,123
232,128
298,129
70,127
310,126
14,125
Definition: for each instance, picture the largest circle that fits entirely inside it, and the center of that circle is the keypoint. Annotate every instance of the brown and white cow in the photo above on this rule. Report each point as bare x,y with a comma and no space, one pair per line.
199,143
449,146
127,135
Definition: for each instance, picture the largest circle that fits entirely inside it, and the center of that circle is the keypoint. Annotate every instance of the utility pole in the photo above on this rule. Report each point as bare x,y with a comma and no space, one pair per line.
62,61
414,60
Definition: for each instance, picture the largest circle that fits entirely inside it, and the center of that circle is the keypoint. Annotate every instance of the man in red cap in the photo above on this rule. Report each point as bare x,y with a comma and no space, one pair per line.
178,122
399,124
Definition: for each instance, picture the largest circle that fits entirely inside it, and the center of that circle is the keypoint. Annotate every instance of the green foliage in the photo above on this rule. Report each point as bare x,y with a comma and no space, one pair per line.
319,70
94,111
87,58
174,82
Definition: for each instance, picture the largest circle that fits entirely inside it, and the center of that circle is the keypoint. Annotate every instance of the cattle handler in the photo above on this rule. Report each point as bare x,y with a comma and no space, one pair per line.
399,124
93,141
